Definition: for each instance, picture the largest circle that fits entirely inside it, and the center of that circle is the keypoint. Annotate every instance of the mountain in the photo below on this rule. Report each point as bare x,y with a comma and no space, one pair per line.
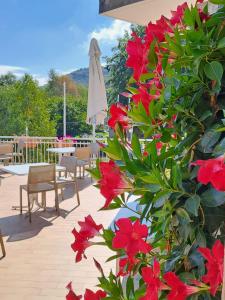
81,76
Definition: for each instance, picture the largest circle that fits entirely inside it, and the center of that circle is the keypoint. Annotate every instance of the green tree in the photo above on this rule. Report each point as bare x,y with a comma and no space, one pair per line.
119,74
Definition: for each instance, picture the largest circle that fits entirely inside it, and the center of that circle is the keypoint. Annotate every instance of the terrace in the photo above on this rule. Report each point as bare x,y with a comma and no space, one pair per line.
39,262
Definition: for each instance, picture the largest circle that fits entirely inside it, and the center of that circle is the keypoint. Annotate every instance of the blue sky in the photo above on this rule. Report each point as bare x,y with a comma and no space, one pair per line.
37,35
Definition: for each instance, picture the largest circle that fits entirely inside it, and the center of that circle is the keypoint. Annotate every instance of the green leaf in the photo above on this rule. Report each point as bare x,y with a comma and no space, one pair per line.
136,146
150,178
176,176
221,43
209,139
183,215
213,198
214,70
130,287
217,1
160,198
220,148
192,205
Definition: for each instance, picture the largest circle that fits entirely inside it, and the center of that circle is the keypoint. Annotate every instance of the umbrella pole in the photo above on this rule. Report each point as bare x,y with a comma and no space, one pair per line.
93,132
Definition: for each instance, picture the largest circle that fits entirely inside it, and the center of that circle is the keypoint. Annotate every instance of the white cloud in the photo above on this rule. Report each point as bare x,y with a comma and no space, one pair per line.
42,80
108,35
66,72
18,71
112,33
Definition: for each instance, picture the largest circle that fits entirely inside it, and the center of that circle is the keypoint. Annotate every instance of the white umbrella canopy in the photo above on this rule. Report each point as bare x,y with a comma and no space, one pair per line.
97,101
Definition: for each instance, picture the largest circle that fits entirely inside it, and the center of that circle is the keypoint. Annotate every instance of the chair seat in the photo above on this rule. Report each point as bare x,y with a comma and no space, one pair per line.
39,187
5,156
64,180
17,154
81,163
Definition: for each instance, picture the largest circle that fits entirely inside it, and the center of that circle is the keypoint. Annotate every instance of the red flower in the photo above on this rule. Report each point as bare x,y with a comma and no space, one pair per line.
154,31
212,171
89,295
214,265
89,228
159,146
118,114
165,25
137,56
145,153
130,237
80,244
126,265
113,182
203,16
145,97
151,278
71,295
179,290
177,15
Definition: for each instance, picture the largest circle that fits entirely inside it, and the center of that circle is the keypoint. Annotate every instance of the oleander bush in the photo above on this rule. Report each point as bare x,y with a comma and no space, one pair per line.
172,246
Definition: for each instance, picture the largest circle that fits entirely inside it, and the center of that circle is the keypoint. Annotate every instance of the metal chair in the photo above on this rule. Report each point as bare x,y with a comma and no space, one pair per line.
94,152
6,153
19,153
2,245
83,156
41,179
70,164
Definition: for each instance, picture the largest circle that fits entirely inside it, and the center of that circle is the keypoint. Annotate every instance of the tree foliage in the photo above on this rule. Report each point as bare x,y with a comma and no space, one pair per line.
119,74
23,104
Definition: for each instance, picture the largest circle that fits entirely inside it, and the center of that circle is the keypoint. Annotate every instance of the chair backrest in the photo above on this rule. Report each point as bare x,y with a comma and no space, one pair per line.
94,149
69,162
21,145
6,148
42,174
83,153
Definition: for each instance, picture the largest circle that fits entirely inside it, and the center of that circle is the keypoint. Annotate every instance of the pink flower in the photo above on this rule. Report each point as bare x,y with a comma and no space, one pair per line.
88,230
130,237
80,244
126,265
89,295
177,16
179,290
71,295
214,265
119,116
112,182
137,56
212,171
151,278
145,97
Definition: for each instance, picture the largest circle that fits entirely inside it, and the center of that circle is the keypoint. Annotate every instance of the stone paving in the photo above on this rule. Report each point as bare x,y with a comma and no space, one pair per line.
39,261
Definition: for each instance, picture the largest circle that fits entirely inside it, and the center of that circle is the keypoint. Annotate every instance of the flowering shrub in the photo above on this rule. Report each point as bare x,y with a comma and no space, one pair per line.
174,247
65,141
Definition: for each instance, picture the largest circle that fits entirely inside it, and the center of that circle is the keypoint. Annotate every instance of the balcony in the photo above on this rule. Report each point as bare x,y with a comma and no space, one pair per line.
138,11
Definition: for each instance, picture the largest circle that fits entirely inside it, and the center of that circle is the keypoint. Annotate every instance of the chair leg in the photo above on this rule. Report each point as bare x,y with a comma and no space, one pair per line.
57,200
2,245
77,191
21,200
29,207
43,196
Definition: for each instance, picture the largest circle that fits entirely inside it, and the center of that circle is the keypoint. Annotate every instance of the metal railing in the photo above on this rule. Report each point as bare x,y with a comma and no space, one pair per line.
35,149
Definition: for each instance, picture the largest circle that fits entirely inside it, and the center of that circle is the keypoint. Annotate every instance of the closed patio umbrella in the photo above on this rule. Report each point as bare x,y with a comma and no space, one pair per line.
97,101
